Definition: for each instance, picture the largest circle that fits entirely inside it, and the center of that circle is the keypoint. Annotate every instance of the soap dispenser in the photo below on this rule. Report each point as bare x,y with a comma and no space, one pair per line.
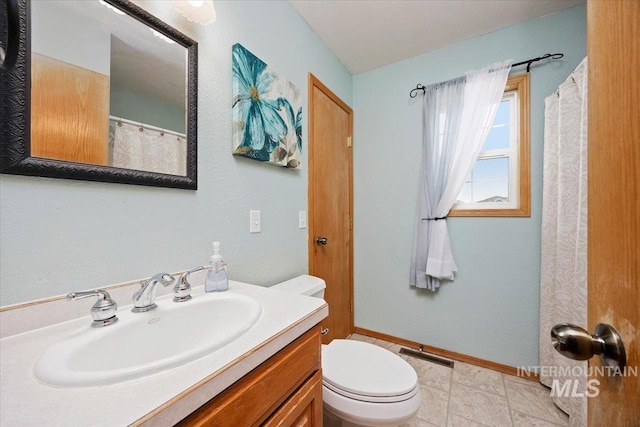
216,280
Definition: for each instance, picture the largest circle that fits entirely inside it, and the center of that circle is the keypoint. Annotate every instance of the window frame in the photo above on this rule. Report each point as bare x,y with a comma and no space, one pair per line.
518,84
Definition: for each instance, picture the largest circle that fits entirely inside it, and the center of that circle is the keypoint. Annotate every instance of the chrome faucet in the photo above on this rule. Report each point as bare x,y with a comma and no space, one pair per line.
103,311
144,298
182,289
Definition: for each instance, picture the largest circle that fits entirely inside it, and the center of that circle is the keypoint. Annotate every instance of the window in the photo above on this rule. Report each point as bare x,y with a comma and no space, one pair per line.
499,182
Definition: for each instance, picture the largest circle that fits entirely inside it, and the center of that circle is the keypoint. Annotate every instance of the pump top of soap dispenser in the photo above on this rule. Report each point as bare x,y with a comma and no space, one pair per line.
216,257
216,252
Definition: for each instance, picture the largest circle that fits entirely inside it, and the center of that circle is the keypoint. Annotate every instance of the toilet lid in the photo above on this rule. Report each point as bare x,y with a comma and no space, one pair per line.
367,372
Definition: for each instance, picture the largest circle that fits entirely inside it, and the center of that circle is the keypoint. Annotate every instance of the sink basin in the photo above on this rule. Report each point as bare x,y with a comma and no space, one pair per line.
142,344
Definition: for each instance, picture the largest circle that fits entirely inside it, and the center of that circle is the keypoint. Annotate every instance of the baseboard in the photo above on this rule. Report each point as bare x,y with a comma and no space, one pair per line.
505,369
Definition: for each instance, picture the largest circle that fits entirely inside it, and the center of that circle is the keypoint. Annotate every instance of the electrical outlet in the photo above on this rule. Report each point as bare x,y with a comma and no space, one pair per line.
302,219
255,222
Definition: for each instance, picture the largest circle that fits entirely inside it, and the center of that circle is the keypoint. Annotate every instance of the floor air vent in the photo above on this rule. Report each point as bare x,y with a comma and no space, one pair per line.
425,356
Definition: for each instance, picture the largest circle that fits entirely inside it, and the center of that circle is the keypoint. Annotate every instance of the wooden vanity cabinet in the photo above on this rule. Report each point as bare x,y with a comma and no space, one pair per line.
285,390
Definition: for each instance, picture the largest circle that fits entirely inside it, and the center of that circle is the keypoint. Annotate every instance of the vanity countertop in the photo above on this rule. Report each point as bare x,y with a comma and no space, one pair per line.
161,399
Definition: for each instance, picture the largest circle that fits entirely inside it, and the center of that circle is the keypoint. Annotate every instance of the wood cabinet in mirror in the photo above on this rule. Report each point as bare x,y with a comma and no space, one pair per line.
36,133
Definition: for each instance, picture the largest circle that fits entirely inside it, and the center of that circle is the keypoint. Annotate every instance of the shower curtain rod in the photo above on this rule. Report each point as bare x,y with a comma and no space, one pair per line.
421,87
145,126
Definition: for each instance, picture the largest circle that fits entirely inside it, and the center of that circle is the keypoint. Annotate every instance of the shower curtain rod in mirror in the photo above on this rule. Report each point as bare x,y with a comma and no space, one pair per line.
141,125
421,87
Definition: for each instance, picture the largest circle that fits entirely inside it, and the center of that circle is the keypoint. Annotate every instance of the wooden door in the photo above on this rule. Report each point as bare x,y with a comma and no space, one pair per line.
69,112
613,47
331,204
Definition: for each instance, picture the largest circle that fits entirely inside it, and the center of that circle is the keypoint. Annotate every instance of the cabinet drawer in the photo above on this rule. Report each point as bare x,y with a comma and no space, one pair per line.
253,398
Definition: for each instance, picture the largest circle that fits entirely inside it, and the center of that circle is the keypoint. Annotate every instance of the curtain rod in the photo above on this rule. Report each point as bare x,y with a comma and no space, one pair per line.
421,87
145,126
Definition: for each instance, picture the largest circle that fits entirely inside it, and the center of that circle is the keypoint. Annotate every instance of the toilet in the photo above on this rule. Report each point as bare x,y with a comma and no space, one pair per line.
362,384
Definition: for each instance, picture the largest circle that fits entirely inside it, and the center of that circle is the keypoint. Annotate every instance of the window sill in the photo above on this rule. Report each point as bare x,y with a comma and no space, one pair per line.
517,212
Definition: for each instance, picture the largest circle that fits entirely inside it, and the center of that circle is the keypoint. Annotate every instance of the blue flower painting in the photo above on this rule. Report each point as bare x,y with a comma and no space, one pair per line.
267,112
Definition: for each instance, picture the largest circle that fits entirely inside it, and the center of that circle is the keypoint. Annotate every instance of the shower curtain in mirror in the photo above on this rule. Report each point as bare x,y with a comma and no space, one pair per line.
457,118
563,282
138,148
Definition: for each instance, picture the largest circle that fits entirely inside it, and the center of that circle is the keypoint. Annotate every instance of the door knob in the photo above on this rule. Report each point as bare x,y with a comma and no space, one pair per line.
321,240
576,343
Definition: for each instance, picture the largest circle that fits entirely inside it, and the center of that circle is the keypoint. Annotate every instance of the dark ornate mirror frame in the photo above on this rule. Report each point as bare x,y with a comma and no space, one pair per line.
15,108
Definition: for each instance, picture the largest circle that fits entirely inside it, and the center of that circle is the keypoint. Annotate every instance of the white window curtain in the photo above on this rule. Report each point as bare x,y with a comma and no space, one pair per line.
563,281
458,115
149,150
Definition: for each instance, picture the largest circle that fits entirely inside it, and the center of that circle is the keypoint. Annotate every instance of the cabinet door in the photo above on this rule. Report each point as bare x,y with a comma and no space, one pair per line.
303,408
258,395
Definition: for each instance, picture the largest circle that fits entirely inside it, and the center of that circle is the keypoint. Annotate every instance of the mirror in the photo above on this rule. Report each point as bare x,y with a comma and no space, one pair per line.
101,90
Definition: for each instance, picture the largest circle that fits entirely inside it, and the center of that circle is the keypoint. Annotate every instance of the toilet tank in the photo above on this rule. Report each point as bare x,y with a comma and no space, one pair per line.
303,285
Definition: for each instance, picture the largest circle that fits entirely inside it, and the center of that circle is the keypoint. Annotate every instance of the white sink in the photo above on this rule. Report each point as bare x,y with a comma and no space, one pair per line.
142,344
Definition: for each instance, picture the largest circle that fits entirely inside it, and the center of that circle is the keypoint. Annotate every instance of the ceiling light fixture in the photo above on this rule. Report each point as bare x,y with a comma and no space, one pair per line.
200,11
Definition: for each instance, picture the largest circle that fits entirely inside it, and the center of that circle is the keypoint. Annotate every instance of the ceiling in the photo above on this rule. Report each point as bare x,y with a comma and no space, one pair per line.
367,34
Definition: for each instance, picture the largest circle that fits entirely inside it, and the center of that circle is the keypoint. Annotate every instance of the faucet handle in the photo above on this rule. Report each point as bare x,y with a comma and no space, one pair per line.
103,311
182,289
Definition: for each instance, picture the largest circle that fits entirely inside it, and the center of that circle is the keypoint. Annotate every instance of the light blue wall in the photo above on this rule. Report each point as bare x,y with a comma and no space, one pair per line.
134,106
58,236
491,310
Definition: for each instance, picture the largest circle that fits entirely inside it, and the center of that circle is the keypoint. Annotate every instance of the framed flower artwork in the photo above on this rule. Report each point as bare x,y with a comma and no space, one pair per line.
267,112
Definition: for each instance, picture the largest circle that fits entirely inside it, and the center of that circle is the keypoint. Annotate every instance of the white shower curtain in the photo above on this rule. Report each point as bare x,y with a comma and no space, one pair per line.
563,282
149,150
457,118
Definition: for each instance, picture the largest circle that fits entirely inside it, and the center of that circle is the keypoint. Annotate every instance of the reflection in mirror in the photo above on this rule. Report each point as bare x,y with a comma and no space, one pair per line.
106,89
100,90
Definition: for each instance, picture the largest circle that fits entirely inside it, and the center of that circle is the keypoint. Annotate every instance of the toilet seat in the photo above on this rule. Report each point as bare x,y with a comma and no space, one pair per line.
366,372
370,399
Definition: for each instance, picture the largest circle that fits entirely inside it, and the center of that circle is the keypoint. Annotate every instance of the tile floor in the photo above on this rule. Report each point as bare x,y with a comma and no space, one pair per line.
471,396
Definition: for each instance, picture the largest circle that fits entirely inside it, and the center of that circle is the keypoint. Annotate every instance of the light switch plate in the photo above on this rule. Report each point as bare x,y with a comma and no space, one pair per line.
255,221
302,219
